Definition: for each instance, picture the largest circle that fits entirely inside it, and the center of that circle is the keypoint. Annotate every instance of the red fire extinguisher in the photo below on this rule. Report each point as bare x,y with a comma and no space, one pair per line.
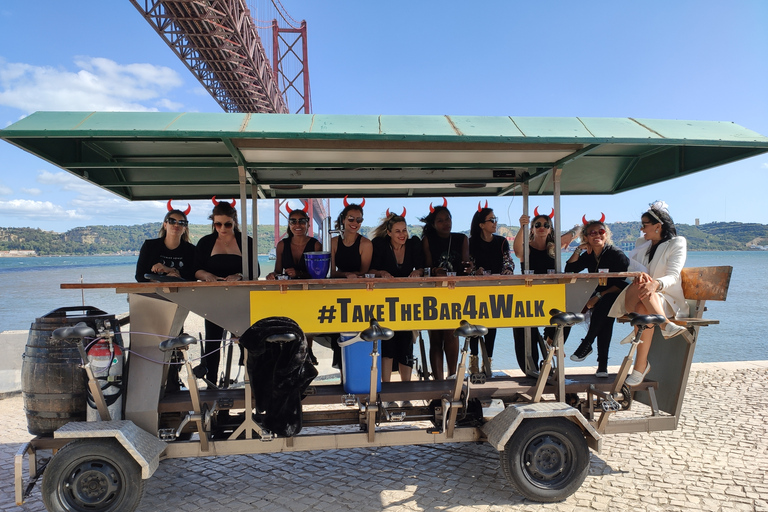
106,359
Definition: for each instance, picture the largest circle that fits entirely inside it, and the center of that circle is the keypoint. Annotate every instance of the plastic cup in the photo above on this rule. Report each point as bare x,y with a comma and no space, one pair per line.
451,274
283,277
486,272
528,272
603,270
370,276
551,271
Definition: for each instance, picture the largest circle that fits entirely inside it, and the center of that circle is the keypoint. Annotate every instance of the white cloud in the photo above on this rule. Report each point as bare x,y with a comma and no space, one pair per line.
32,191
98,84
38,210
5,191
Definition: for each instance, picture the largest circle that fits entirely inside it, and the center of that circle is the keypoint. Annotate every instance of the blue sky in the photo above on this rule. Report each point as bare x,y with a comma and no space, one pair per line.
695,60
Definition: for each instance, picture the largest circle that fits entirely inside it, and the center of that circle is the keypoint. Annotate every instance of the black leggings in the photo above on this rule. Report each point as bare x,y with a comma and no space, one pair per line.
490,340
601,327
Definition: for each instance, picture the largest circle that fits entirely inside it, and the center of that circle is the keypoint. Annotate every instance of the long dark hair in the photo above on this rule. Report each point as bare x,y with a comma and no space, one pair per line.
340,219
429,221
668,231
477,219
224,208
288,232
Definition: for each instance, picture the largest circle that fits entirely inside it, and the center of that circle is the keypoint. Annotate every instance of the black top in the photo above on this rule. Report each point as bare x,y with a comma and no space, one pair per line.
348,258
223,265
611,258
446,252
384,256
540,261
154,251
286,258
489,255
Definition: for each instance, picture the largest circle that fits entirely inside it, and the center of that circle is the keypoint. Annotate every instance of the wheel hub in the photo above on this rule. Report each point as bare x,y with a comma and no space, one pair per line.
93,484
545,458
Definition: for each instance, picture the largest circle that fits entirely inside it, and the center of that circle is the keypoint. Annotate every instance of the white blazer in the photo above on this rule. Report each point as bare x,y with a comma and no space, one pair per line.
665,267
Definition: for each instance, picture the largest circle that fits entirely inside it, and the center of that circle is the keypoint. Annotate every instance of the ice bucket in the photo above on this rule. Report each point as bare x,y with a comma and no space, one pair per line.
317,263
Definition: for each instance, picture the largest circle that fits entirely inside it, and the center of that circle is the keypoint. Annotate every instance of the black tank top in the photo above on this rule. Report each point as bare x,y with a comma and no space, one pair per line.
348,258
287,256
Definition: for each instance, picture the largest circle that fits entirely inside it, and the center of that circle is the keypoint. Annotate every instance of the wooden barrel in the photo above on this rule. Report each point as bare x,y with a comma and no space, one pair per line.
53,384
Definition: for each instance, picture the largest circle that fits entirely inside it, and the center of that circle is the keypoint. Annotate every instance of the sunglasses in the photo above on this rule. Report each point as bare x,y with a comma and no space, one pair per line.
542,225
596,232
226,224
298,221
173,222
492,219
359,220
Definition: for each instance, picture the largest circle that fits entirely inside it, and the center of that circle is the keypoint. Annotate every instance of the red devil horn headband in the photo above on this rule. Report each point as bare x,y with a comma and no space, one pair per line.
585,221
186,212
346,203
305,209
402,214
216,203
478,205
432,209
536,213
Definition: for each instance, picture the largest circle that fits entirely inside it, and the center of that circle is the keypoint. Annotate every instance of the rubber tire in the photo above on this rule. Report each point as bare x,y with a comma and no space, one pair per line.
547,459
101,463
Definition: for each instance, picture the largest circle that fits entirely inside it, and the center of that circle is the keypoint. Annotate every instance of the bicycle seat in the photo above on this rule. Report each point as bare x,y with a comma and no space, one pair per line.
565,318
79,330
181,341
283,337
635,319
467,330
376,332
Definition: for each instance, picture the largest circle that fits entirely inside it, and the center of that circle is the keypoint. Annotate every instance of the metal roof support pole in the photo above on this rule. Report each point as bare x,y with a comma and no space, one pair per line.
255,222
243,219
557,227
531,366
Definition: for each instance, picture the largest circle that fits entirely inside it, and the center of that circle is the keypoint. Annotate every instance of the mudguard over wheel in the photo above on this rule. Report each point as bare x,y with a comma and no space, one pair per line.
546,459
92,475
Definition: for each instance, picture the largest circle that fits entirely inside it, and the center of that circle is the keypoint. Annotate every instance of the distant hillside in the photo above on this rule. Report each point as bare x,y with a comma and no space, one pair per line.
716,236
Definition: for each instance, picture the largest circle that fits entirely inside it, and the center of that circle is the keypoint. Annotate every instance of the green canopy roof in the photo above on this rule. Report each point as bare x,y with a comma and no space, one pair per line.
149,156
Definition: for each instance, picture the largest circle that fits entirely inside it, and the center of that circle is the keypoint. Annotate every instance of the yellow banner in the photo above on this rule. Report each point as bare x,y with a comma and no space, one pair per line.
402,309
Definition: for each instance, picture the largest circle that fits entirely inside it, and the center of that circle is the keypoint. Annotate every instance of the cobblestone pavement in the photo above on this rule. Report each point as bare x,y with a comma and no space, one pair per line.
717,460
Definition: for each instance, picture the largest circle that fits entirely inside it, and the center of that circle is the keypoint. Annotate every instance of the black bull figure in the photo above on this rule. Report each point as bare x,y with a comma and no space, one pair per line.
280,373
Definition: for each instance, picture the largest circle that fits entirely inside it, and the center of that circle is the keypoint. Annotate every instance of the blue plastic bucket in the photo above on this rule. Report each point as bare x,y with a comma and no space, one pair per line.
356,365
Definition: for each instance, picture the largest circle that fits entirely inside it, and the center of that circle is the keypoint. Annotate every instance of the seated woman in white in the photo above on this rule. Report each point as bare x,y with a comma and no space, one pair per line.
660,256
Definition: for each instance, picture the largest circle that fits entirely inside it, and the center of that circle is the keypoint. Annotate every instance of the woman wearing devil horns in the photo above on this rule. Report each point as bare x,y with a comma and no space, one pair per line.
351,252
219,258
290,250
597,254
444,252
396,255
170,254
490,255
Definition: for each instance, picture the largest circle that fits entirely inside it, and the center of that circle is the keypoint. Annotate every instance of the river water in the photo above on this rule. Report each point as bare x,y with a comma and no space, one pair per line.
29,288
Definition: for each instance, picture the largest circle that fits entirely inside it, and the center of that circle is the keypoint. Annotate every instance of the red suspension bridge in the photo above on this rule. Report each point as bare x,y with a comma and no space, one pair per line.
220,43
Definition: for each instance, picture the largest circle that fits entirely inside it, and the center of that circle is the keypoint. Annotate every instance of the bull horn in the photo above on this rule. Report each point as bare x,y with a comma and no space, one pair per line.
602,217
584,219
346,203
186,212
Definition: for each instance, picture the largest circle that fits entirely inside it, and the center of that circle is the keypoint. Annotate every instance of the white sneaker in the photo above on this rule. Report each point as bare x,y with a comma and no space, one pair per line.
671,330
637,377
